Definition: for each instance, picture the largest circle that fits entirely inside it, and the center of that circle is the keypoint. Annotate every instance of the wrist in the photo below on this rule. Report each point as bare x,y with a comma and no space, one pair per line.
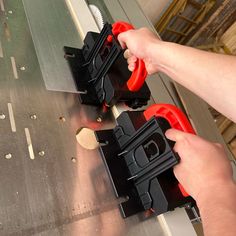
216,195
157,51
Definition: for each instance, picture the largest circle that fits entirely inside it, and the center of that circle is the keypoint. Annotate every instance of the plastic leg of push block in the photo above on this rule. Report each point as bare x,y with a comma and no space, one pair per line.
75,58
118,174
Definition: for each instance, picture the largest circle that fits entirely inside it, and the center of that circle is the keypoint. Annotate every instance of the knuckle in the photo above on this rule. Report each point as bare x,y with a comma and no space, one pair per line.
143,29
219,145
185,141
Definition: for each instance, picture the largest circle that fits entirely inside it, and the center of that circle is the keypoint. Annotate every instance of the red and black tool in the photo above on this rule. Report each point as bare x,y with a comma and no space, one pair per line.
100,71
140,159
139,74
177,120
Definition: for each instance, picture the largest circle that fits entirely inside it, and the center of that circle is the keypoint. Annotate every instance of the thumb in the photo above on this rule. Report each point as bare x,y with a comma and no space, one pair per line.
175,135
122,37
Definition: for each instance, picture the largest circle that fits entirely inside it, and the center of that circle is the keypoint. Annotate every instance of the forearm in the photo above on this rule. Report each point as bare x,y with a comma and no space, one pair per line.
218,211
211,76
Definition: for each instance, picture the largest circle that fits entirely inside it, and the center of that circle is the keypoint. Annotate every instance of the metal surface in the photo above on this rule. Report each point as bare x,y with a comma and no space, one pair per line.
49,184
52,28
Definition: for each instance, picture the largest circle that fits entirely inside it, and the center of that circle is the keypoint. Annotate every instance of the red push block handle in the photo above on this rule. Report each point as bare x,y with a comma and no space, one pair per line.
172,114
176,119
139,74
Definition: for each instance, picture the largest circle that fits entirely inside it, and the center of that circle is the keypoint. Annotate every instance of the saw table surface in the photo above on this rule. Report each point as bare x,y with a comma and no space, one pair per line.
49,184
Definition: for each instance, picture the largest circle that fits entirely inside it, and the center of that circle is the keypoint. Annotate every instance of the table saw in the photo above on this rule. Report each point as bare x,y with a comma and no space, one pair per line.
50,185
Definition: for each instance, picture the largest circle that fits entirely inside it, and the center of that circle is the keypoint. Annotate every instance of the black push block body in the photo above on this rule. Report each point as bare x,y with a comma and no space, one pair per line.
140,160
100,72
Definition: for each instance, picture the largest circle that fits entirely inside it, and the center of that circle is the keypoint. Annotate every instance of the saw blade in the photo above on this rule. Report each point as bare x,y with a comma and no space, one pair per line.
97,15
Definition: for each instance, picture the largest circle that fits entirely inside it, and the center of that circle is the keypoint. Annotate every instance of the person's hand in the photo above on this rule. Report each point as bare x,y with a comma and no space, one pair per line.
203,165
139,44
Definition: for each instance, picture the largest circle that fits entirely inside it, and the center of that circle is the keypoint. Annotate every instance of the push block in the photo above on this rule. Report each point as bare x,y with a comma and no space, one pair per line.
140,159
101,73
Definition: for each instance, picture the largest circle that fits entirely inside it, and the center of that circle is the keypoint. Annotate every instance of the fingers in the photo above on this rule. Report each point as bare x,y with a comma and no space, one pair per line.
122,39
131,59
131,67
132,63
175,135
127,54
